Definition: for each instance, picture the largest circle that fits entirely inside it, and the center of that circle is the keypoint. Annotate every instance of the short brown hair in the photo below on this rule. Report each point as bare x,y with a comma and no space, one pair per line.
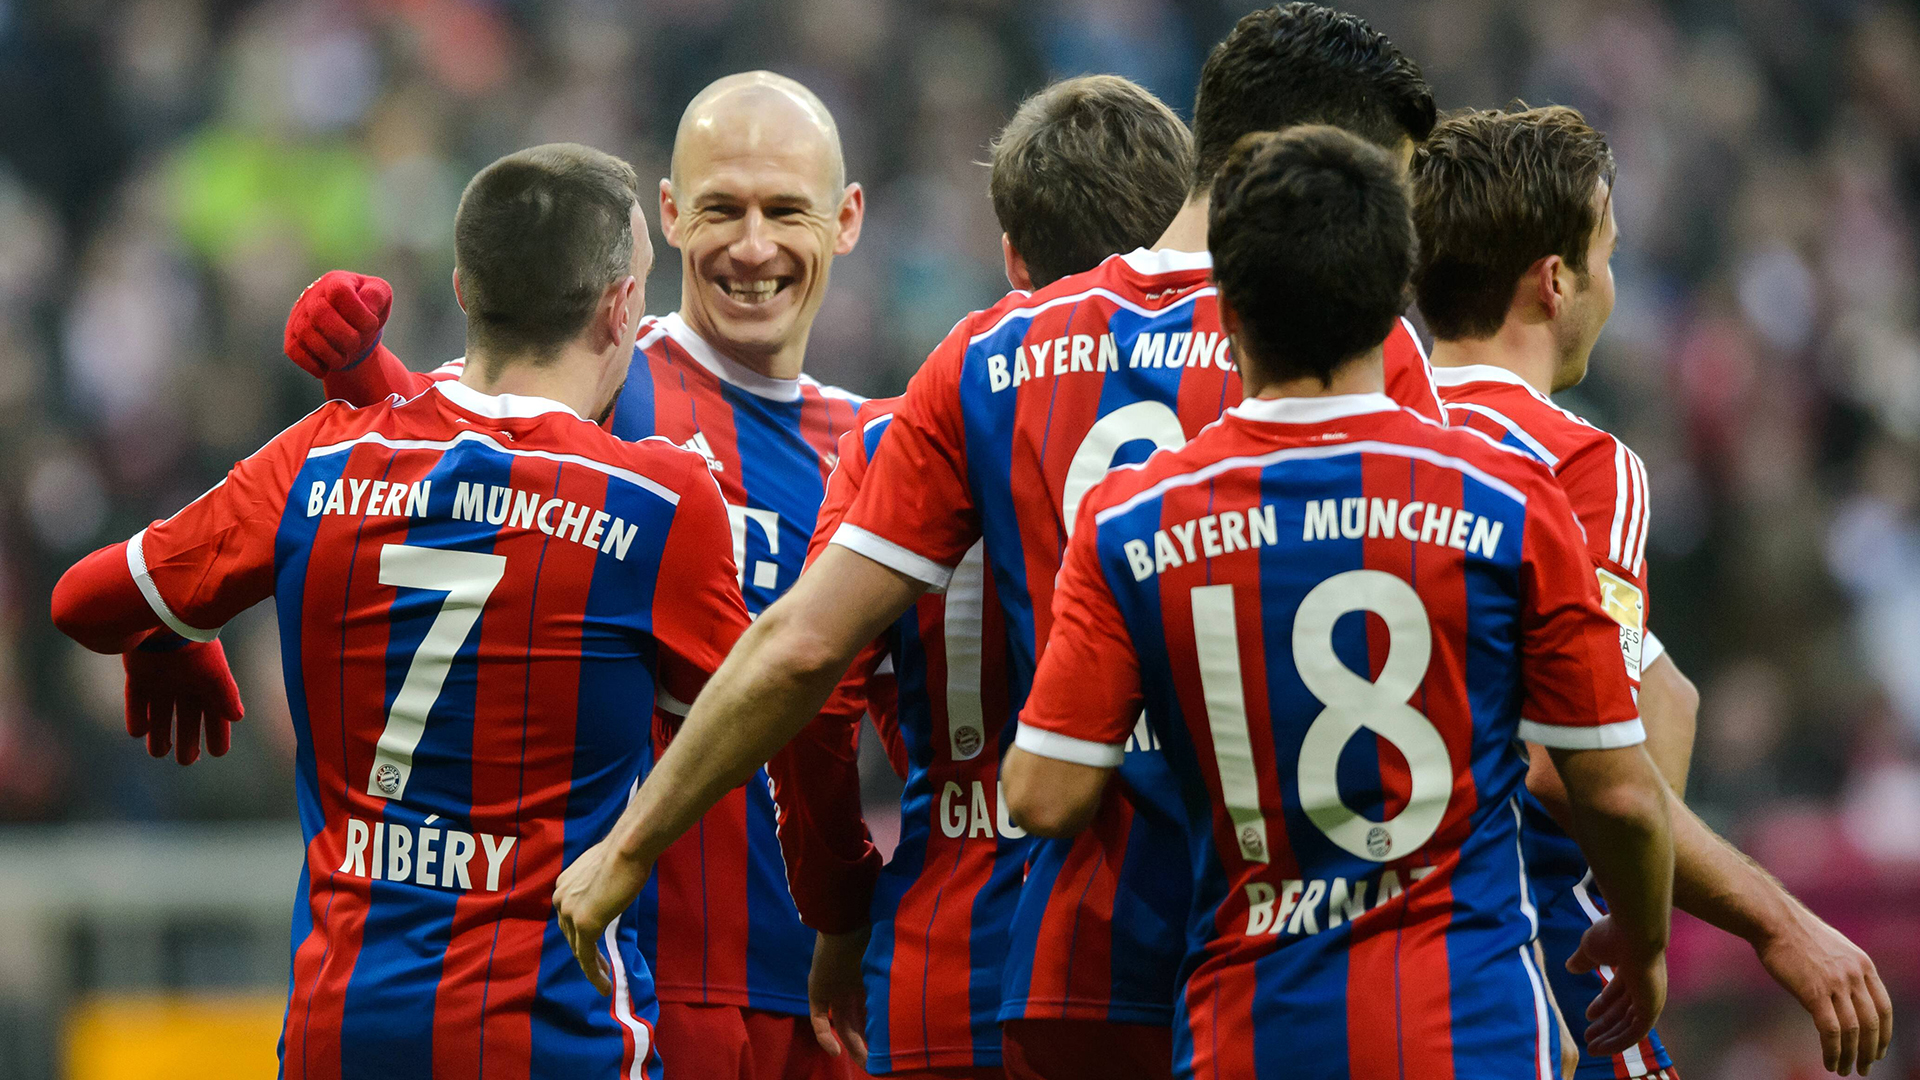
1312,245
1088,167
539,235
1493,193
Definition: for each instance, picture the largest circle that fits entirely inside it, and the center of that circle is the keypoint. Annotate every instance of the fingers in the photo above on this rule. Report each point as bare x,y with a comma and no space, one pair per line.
1609,999
186,742
219,735
137,724
586,950
856,1041
377,295
1869,1014
1883,1006
1828,1023
159,728
1629,1028
1849,1032
342,293
1581,961
823,1031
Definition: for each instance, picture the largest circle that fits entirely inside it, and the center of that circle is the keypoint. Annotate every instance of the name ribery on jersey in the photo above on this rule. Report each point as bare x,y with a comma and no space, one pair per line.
390,851
1096,353
495,504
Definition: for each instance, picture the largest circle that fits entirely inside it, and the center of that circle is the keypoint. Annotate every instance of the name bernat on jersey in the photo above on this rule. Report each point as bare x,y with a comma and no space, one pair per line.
495,504
1228,531
1093,353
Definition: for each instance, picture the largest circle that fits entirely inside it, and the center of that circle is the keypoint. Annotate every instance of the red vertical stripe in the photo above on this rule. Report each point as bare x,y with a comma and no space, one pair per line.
529,669
1219,1001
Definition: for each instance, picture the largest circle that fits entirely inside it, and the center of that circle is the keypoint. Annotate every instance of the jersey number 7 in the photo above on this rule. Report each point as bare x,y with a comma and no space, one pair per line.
468,578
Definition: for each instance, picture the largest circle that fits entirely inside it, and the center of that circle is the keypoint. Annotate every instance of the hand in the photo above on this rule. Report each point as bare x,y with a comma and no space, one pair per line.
173,683
590,894
1635,993
1837,984
836,997
336,323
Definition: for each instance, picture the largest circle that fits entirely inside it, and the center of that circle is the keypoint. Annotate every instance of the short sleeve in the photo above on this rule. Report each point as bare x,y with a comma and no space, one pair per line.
1577,694
1086,691
697,610
915,511
843,486
1607,485
214,559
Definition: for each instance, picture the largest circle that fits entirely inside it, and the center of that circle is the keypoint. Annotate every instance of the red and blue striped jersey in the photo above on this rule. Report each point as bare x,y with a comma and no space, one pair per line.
473,593
716,920
1606,483
943,903
1019,411
1338,617
717,923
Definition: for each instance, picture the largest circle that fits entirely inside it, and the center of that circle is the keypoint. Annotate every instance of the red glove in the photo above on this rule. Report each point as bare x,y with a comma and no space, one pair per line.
336,323
170,678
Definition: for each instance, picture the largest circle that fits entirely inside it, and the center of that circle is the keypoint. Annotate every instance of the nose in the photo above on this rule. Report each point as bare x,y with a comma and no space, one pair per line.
755,246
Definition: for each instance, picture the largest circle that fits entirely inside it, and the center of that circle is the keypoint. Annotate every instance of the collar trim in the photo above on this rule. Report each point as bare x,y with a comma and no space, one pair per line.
1166,260
727,371
1311,410
499,406
1473,373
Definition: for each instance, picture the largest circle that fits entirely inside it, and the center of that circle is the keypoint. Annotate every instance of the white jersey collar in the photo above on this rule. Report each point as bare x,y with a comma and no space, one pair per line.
1311,410
726,370
1473,373
1167,260
499,406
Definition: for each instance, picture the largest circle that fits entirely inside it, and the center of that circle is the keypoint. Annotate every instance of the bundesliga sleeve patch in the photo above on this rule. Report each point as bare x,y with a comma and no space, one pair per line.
1623,603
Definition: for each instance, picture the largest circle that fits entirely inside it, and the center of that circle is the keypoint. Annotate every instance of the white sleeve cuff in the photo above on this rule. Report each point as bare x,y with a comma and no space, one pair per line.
1651,649
667,703
1052,744
1601,737
137,565
893,556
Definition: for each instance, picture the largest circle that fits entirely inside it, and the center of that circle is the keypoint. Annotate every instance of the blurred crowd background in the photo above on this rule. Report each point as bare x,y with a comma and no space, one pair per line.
173,172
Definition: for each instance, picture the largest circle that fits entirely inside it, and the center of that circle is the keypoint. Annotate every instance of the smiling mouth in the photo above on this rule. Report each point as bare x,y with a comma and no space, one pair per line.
755,292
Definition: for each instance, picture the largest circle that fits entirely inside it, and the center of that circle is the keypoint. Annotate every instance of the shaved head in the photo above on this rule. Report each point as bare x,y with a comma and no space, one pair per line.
758,110
759,205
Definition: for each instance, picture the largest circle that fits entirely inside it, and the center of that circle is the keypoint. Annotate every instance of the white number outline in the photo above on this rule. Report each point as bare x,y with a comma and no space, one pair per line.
1352,703
467,578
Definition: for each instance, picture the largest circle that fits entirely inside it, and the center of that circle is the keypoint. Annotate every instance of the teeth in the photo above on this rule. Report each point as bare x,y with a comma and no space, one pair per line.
753,292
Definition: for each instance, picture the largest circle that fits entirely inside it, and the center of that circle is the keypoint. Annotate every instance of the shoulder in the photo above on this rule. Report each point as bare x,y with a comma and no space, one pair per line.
1551,432
1474,453
847,398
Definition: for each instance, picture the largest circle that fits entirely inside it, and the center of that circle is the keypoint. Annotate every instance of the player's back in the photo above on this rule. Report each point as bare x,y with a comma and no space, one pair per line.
475,613
1305,572
1037,398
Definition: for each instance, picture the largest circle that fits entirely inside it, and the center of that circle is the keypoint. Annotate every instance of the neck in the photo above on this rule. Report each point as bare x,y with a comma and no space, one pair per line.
572,378
1526,349
1364,374
1188,231
784,361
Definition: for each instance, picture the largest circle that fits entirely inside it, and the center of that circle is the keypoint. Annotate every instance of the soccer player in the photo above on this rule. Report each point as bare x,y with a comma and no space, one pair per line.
1336,614
1021,410
759,206
1086,167
478,590
1516,225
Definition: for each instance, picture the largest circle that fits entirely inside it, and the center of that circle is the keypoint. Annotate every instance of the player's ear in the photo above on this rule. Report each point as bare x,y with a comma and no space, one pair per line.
457,298
1544,285
669,213
853,214
1017,274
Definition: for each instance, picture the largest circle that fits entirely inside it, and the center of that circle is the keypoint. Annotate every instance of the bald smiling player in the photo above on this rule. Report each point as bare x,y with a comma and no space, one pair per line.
759,206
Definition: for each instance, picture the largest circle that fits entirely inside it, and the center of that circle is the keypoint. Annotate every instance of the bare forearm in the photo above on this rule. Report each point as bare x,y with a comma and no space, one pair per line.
1619,816
1714,882
758,700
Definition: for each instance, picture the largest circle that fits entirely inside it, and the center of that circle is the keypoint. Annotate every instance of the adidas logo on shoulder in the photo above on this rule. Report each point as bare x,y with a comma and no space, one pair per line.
699,445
